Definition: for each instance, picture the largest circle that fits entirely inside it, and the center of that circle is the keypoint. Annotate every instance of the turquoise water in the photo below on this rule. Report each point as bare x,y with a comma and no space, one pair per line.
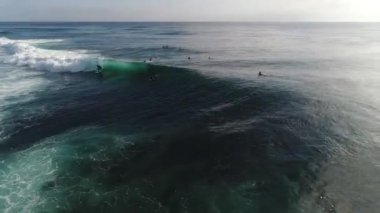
156,131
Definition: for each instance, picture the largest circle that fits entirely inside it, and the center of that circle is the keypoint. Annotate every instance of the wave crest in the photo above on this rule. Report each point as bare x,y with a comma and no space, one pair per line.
24,53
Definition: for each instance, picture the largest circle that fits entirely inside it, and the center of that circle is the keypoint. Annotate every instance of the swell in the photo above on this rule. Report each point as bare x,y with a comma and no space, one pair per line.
26,53
4,33
182,120
166,49
99,102
193,131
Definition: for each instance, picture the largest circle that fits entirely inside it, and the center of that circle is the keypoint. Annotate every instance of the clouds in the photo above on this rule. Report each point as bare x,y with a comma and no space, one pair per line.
189,10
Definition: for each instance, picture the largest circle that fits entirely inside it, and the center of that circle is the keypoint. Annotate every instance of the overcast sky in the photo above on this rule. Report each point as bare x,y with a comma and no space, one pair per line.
189,10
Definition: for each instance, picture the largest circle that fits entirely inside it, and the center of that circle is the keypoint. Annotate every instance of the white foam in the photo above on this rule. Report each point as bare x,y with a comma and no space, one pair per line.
22,176
18,86
24,53
25,175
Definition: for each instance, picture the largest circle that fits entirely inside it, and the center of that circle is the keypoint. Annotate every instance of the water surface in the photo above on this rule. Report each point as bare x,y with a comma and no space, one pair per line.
199,135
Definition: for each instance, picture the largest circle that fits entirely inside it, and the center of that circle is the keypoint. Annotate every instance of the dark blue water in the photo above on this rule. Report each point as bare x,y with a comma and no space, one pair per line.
193,128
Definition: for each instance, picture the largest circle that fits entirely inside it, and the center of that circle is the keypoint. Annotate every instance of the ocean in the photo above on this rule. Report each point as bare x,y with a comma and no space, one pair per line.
177,119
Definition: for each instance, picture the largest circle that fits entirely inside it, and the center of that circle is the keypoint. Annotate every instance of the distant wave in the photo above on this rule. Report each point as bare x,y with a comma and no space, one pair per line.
160,52
175,33
4,33
25,53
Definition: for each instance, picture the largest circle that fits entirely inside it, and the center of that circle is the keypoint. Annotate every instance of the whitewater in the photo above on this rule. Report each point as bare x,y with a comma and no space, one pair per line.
25,53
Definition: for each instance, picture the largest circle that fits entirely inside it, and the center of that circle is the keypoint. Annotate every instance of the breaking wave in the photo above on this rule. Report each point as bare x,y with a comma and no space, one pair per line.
25,53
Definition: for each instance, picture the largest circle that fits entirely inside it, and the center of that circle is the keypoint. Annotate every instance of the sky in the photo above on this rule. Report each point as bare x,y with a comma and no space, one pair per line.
190,10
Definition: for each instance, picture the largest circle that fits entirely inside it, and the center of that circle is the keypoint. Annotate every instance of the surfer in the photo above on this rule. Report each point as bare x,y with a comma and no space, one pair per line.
262,75
154,77
189,58
99,68
99,71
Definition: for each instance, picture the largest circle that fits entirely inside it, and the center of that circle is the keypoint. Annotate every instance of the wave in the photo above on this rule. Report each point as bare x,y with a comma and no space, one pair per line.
175,33
25,53
4,33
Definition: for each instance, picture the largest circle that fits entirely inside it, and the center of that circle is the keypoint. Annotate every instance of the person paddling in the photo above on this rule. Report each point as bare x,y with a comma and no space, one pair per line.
262,75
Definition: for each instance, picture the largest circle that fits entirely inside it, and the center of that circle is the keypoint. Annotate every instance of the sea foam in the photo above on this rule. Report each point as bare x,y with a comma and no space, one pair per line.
25,53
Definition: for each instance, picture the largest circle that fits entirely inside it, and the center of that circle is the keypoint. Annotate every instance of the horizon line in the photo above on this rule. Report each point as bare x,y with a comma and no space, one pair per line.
189,21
